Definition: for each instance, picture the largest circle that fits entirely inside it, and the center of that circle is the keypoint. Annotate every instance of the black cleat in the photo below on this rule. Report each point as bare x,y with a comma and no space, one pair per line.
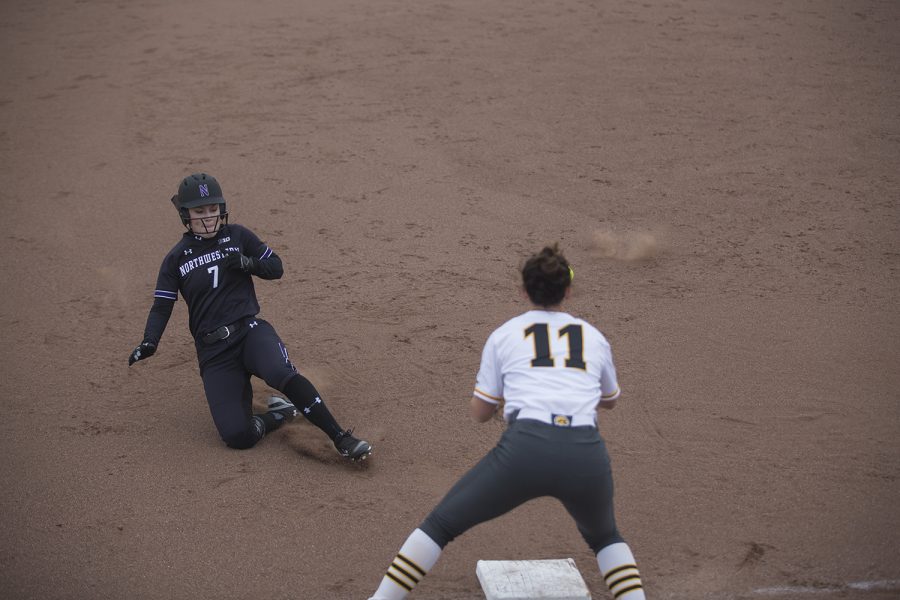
351,447
283,407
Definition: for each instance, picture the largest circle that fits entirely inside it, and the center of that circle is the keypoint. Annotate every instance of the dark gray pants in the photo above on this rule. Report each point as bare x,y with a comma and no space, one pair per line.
531,460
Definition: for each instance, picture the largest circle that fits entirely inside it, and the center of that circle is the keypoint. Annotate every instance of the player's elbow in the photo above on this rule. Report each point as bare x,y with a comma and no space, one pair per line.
271,272
481,418
271,268
482,411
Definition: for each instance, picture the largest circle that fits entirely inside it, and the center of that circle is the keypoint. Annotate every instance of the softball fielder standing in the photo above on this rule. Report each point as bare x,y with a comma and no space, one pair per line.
211,267
550,371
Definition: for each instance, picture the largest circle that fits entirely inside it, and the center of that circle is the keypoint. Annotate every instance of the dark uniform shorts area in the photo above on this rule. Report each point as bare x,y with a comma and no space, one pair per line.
531,460
226,367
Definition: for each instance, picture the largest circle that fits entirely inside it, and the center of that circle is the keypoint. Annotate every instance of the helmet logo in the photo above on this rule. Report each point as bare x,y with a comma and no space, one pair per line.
204,190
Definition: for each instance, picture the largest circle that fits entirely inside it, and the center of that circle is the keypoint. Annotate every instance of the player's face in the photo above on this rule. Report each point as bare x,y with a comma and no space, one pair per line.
205,220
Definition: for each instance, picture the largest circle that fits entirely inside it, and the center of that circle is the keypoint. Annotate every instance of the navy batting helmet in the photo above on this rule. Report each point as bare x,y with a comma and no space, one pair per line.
195,190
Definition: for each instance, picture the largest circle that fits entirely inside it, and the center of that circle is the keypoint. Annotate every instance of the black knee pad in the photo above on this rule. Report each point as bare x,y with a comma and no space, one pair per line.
247,438
240,441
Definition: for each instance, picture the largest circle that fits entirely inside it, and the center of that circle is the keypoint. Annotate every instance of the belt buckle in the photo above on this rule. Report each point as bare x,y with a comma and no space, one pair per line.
562,420
227,332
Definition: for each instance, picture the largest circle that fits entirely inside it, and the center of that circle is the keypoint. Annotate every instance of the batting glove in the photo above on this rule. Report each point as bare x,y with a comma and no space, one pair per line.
236,260
145,350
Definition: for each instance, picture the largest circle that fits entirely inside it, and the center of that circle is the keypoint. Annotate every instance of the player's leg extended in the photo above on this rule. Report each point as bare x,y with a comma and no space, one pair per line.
266,356
416,557
229,395
588,497
491,488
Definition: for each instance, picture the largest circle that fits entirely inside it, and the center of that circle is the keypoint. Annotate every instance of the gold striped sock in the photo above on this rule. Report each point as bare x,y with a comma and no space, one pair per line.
623,579
419,569
405,572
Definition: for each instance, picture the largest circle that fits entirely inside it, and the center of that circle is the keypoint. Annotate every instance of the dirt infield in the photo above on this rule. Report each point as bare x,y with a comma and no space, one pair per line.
722,174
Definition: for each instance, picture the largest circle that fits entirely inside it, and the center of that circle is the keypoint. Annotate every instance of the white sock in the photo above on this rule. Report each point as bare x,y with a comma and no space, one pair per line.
620,572
416,557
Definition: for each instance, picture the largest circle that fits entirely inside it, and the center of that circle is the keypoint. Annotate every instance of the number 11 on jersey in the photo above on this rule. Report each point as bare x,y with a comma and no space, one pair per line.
542,355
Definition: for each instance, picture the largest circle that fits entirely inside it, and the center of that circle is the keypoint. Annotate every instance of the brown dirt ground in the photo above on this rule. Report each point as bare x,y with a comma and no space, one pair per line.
722,174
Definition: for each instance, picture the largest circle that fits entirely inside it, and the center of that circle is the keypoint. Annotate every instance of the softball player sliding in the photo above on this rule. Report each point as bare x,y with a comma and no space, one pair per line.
211,266
550,371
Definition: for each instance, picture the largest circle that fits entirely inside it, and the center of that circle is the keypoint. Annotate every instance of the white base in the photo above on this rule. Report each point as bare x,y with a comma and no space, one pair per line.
557,579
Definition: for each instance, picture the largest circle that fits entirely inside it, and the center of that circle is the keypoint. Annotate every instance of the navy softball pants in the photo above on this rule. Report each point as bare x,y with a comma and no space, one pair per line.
226,369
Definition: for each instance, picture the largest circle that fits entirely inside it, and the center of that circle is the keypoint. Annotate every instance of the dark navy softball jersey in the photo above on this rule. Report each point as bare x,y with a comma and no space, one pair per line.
215,295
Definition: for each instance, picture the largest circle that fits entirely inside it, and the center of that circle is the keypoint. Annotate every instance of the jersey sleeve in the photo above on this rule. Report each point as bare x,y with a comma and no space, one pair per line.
167,280
269,263
489,381
164,297
252,246
609,381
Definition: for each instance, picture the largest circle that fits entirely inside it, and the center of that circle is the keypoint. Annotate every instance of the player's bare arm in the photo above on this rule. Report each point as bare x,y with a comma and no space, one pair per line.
482,411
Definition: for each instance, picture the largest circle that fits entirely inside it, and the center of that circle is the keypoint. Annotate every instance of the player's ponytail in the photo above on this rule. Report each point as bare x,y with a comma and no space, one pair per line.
546,275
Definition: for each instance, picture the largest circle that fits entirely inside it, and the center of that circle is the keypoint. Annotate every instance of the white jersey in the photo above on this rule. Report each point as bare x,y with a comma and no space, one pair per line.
547,361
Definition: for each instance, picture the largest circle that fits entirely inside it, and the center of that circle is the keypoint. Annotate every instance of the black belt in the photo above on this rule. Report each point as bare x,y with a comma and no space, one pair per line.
583,420
223,332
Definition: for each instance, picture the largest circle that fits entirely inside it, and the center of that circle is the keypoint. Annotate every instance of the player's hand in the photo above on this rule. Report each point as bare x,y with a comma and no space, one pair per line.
145,350
236,260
